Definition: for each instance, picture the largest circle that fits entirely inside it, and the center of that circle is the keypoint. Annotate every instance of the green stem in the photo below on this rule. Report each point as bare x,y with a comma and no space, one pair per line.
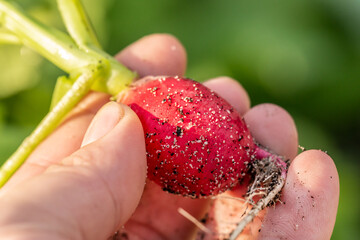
78,24
78,90
90,66
7,37
80,28
62,86
61,50
49,42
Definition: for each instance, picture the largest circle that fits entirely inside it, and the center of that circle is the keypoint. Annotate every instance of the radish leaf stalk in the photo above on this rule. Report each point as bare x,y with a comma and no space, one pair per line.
63,85
7,37
78,90
51,43
62,50
89,68
77,23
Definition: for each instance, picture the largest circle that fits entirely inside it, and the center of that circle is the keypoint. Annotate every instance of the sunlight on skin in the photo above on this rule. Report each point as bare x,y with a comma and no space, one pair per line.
156,216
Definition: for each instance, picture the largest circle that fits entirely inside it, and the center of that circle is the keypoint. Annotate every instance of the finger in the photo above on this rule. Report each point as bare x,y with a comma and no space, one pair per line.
274,128
91,187
310,196
67,138
232,91
156,54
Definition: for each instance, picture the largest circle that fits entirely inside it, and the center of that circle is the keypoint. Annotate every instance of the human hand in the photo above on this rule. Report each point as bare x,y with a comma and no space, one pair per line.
88,195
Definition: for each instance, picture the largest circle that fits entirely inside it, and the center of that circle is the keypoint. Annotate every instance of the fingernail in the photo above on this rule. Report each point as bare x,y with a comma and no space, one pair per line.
104,121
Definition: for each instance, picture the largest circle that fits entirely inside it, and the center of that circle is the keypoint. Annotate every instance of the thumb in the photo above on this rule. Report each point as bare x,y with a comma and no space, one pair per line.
92,192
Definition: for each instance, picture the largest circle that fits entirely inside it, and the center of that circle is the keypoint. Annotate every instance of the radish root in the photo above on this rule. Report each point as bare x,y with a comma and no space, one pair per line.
269,173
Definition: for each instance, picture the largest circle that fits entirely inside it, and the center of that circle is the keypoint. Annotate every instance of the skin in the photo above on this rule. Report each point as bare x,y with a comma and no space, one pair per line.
76,185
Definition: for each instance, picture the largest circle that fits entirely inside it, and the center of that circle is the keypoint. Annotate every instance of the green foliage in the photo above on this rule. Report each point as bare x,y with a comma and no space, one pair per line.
12,78
302,55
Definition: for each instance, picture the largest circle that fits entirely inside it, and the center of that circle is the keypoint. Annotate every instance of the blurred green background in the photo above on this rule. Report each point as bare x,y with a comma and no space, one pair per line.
303,55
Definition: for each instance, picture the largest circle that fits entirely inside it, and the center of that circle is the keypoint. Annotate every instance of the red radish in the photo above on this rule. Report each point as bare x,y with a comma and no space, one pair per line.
197,144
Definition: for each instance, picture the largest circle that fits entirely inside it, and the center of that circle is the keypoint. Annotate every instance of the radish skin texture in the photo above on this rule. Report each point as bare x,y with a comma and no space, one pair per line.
197,144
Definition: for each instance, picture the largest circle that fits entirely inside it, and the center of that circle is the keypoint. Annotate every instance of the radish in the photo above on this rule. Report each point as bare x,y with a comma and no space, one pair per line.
197,144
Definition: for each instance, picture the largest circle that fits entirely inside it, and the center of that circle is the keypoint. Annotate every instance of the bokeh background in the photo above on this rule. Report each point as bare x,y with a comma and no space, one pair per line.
303,55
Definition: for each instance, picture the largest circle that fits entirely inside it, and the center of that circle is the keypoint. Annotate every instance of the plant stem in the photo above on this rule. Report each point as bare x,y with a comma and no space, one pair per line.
49,42
78,24
62,86
7,37
88,67
61,50
78,90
